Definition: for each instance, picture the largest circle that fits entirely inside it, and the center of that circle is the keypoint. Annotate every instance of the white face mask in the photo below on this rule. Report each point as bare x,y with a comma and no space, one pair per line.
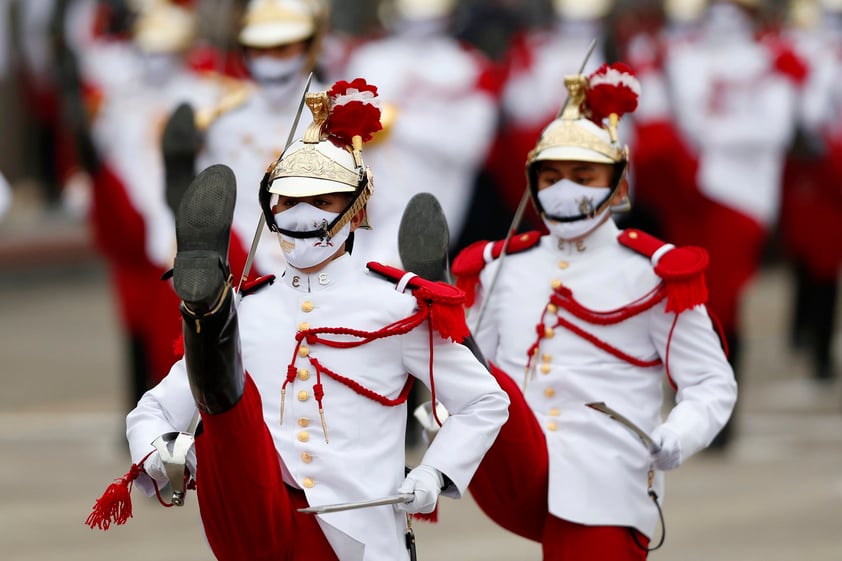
271,70
567,198
302,253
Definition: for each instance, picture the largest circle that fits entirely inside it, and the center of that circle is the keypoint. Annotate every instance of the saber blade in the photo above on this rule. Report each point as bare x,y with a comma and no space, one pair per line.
623,420
390,500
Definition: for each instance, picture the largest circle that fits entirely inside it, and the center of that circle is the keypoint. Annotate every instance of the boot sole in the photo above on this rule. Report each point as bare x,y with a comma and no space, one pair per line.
423,238
203,232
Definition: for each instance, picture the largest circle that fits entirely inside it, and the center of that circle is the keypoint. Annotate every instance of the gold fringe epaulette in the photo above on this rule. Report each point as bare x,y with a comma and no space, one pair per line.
234,93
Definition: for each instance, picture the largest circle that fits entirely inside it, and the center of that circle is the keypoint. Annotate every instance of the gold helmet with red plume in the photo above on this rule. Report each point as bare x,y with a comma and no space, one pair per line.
328,159
586,129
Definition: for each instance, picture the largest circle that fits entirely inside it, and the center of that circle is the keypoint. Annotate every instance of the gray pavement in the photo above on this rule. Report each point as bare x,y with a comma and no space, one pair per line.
775,495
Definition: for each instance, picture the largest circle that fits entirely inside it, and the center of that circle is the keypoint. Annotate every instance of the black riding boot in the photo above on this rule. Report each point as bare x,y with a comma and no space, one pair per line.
202,279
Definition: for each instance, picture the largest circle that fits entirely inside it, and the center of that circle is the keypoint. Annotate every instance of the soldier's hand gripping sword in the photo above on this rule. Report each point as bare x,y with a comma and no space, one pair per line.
521,209
261,222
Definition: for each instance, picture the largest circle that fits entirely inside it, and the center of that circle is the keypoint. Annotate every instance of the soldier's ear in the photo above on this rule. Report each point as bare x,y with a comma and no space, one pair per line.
357,219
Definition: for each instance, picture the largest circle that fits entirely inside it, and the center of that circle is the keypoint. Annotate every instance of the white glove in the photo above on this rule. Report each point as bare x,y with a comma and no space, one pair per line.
154,466
426,482
669,456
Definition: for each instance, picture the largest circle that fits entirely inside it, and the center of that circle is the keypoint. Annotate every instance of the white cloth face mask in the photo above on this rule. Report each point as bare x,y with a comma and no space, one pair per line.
567,199
271,70
302,253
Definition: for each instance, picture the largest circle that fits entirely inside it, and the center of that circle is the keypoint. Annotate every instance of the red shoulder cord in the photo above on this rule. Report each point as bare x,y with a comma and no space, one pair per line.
562,298
400,327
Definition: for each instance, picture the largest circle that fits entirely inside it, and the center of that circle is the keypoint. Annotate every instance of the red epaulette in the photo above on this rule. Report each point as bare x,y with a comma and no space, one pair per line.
446,302
681,268
251,286
472,260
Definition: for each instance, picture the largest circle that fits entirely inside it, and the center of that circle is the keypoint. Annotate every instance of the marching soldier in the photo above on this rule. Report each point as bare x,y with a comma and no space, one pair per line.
301,383
588,320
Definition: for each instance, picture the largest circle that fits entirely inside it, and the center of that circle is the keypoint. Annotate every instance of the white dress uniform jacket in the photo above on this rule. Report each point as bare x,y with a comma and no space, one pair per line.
365,456
248,139
598,469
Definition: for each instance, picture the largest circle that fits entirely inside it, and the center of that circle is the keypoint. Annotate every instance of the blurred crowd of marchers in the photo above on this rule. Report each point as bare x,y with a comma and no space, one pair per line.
736,142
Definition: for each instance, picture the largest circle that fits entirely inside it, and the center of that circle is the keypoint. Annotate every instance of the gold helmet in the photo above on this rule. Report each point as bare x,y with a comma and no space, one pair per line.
164,27
586,128
328,159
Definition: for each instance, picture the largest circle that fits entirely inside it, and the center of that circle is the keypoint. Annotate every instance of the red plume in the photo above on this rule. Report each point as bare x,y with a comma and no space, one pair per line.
353,111
612,89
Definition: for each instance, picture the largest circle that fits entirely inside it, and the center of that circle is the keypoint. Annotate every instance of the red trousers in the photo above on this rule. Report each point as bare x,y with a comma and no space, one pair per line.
511,486
247,510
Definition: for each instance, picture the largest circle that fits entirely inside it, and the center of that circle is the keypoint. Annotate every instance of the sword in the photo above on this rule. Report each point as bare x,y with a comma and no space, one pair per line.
390,500
521,209
261,222
645,438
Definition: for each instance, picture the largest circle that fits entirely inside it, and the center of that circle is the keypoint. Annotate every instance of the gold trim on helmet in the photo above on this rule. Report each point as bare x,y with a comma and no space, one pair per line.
309,161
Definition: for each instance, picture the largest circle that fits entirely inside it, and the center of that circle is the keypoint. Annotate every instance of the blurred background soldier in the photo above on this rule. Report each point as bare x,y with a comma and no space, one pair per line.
131,222
811,213
735,97
535,65
439,103
279,41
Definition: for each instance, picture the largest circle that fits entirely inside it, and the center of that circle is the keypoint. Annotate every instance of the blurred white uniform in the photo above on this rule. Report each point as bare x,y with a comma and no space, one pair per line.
127,133
737,110
444,123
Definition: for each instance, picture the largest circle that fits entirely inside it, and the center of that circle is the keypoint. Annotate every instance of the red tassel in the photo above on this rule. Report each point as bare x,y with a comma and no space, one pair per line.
466,268
431,517
115,505
683,272
449,320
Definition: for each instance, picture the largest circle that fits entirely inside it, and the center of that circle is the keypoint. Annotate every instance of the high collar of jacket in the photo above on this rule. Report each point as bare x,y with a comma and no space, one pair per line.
604,236
334,273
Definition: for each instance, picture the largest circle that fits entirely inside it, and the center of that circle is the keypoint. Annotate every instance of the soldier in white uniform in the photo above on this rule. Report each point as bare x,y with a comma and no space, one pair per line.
304,402
439,100
280,41
590,313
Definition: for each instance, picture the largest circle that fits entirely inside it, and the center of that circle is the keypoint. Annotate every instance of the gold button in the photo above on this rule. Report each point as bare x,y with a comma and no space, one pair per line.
303,326
549,333
633,235
306,458
551,426
307,306
303,351
304,422
303,395
554,412
549,392
545,369
552,308
308,482
555,284
303,373
524,237
303,436
563,265
546,357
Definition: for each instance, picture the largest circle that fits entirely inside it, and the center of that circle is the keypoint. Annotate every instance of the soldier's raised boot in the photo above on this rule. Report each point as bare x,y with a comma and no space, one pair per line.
202,279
